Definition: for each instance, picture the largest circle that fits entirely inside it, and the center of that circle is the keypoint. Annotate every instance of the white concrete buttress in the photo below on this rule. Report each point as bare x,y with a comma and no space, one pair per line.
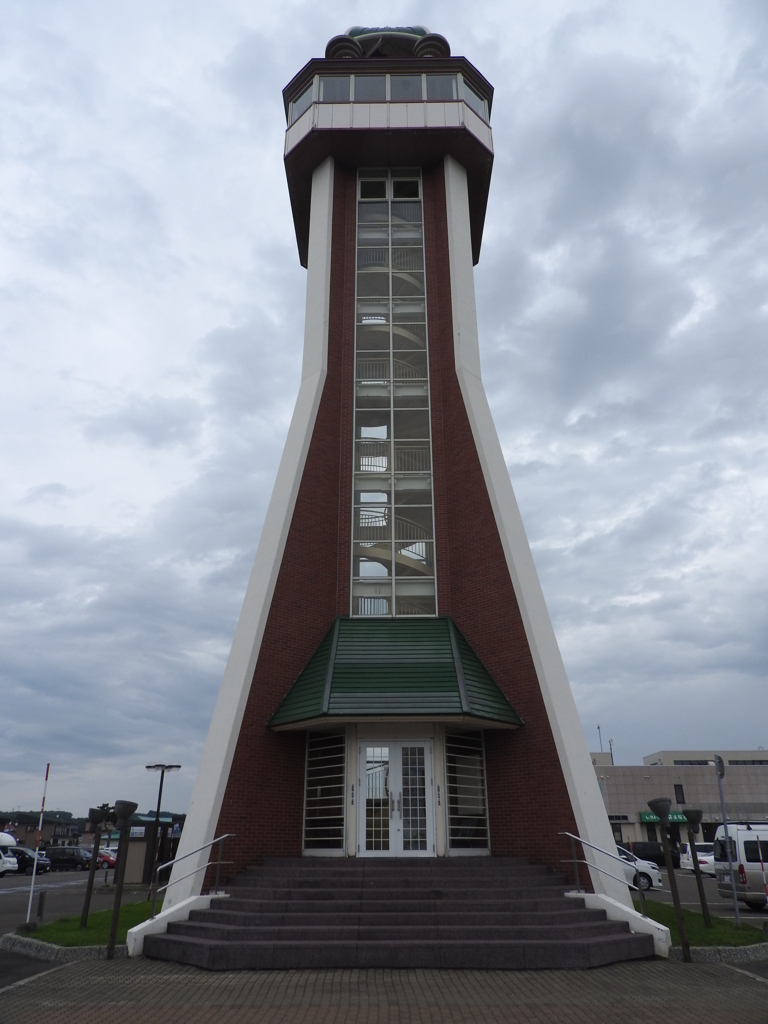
219,750
586,800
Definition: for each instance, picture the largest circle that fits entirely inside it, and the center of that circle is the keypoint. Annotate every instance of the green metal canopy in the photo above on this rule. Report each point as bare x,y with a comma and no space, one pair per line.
394,669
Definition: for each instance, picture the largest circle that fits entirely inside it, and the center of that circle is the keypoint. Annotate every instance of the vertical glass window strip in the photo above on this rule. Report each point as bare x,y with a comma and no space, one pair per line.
324,792
467,806
393,560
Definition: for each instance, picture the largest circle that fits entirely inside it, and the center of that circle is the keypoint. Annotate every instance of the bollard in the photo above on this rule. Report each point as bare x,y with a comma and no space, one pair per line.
41,906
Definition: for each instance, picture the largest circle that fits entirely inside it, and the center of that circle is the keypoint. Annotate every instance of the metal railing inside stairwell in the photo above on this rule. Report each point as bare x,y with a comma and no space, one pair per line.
574,859
154,891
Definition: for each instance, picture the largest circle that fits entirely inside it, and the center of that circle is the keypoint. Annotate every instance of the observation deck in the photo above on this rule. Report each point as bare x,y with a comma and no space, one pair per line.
388,98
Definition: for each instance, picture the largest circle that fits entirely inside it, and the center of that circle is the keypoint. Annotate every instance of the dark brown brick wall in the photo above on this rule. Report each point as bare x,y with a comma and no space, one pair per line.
528,800
263,800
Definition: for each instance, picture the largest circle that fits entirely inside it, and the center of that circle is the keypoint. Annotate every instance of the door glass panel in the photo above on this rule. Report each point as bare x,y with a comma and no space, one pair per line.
377,798
414,799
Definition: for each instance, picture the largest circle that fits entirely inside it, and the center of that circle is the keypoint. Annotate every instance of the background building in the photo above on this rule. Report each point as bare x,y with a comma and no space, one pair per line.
688,778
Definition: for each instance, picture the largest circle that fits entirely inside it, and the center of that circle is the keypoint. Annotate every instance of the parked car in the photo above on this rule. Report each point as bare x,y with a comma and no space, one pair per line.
705,854
26,860
107,858
642,873
7,860
68,858
651,851
749,852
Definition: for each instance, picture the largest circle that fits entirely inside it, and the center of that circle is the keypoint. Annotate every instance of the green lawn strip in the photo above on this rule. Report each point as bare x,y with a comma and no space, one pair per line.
722,932
67,931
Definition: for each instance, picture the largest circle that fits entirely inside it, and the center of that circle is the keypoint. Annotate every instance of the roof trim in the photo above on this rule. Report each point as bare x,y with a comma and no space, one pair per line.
331,661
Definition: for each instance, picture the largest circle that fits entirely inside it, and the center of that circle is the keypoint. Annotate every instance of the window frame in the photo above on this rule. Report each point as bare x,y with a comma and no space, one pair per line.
463,87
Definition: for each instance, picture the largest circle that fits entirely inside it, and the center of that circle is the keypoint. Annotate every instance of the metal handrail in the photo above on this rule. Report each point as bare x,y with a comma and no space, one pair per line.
577,839
219,862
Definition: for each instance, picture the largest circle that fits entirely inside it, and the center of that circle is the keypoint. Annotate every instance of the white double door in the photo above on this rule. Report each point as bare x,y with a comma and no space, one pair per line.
396,785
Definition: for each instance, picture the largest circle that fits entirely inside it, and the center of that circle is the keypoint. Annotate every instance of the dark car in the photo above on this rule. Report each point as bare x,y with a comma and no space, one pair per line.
651,851
68,858
26,860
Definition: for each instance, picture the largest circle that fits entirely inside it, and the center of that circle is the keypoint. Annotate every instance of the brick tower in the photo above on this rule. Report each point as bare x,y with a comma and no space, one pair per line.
394,687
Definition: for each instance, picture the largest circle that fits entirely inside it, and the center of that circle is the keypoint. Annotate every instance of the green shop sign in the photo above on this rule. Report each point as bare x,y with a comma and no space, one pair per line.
651,818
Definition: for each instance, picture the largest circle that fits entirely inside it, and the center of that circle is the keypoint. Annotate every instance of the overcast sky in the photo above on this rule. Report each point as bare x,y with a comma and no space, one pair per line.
151,325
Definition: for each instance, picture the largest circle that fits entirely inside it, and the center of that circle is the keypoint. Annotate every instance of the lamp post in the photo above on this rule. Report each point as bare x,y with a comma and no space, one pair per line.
124,810
660,807
162,768
694,820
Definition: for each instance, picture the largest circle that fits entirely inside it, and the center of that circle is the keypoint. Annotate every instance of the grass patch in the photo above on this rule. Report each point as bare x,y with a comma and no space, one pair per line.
67,931
722,932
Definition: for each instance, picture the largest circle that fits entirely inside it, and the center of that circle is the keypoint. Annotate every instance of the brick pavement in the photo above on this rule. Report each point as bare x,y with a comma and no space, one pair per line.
161,993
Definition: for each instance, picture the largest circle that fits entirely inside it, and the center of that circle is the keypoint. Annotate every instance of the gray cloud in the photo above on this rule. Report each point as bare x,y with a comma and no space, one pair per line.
155,421
153,319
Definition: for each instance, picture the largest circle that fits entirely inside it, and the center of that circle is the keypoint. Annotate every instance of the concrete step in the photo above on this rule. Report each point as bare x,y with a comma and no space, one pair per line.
473,912
394,932
444,918
459,954
434,890
394,906
398,881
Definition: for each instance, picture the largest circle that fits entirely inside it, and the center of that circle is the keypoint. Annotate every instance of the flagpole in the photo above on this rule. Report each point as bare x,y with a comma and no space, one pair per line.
37,844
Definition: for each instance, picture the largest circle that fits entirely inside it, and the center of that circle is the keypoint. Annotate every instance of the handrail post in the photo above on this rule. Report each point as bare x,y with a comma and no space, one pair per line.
218,863
154,894
575,865
640,892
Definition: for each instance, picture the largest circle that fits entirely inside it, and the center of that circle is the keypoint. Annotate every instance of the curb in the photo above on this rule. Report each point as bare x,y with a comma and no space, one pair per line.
26,946
723,954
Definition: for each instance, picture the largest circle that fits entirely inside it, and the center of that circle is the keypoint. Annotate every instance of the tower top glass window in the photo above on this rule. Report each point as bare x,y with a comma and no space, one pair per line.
393,548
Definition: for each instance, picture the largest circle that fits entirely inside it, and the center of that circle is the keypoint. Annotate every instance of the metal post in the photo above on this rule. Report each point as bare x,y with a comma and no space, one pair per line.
91,877
218,865
41,906
575,865
640,892
720,770
699,880
153,891
37,844
157,828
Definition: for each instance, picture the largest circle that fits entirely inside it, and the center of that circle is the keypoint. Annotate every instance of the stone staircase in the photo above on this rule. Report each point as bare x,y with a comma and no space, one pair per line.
468,912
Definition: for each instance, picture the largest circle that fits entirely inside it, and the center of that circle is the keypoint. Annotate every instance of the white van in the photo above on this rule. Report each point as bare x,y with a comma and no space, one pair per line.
7,860
749,843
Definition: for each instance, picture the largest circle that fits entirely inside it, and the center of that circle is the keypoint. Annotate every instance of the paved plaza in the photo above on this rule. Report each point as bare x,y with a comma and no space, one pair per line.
134,991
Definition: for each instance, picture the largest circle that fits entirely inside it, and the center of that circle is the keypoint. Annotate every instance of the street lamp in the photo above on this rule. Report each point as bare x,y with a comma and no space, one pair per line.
693,817
162,768
660,807
124,809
